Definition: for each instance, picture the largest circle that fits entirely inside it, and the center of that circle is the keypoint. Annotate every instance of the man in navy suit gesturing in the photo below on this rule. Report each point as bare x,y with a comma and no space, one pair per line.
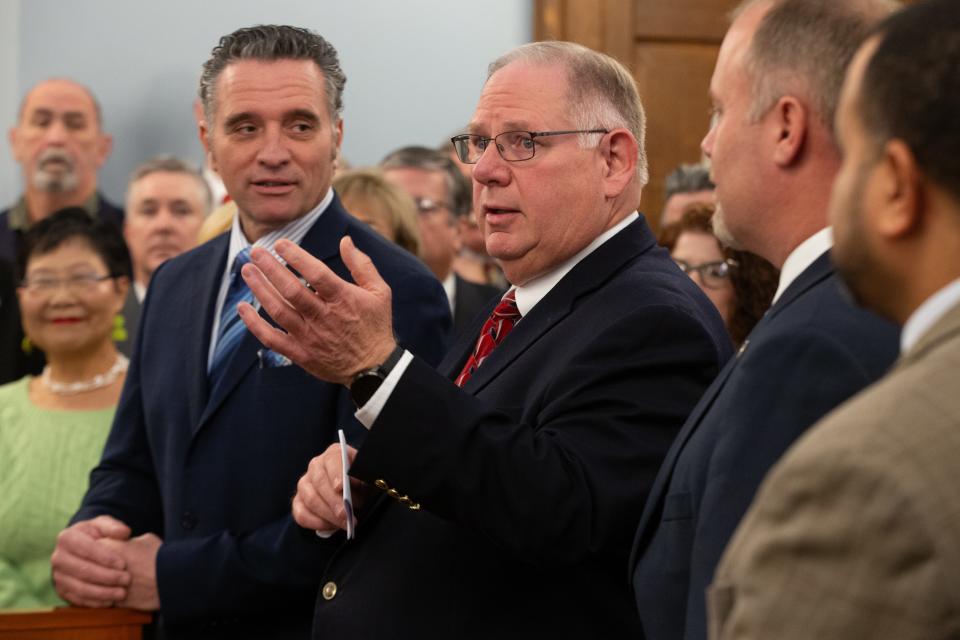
189,509
500,494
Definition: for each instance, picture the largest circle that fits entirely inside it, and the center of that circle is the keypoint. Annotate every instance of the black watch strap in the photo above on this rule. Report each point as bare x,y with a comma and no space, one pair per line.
366,383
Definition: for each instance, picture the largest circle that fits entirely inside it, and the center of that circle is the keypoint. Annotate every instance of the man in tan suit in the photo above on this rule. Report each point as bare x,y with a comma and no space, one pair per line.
855,533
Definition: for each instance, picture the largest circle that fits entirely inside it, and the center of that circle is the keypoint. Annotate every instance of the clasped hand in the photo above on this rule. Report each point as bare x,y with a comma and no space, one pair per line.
97,564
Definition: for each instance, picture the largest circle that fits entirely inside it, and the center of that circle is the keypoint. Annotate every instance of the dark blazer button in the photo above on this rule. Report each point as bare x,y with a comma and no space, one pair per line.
329,590
188,520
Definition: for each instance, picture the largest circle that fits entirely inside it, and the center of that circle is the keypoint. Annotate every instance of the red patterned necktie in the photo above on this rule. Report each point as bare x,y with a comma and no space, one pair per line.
495,329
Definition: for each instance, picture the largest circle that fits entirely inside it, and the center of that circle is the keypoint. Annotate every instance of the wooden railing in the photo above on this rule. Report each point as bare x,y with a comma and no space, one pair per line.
72,623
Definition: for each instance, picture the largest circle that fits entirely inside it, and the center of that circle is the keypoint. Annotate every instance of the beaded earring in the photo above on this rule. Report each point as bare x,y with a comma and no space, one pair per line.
119,328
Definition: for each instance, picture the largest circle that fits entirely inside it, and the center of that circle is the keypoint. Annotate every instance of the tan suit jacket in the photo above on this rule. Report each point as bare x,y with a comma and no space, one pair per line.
856,532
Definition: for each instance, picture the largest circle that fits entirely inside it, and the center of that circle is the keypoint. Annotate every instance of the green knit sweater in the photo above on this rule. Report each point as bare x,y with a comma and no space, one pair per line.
45,460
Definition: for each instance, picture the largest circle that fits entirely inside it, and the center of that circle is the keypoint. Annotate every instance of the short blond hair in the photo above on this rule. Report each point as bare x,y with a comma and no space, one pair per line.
369,185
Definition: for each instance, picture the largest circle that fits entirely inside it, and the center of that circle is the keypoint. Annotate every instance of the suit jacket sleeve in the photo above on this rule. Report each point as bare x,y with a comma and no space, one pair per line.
833,549
124,484
562,478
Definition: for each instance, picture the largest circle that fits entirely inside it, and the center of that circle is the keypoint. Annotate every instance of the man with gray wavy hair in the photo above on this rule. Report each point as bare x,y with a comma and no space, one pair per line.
188,512
60,145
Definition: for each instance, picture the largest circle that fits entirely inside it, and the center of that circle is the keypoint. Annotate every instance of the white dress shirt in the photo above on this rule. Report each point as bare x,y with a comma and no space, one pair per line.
928,314
450,288
140,291
527,297
802,257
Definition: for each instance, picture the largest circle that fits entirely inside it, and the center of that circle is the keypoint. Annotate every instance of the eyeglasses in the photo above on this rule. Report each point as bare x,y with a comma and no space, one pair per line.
76,284
513,146
428,205
712,274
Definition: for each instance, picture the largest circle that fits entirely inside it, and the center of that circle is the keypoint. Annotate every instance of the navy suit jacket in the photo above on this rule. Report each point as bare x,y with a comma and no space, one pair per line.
212,471
811,351
469,300
511,503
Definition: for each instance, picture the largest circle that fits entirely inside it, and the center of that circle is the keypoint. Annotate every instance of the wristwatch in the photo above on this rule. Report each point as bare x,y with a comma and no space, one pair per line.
366,383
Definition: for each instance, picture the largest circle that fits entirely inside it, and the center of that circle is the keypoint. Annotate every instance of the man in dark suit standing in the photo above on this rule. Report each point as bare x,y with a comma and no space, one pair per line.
442,195
60,144
167,201
498,496
189,509
774,159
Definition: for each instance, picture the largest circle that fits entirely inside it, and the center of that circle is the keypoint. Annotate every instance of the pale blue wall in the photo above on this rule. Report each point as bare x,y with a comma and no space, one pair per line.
414,67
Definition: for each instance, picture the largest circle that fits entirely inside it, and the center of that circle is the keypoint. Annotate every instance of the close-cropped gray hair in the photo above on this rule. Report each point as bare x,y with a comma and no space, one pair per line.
97,110
166,163
601,92
268,43
812,41
458,188
688,178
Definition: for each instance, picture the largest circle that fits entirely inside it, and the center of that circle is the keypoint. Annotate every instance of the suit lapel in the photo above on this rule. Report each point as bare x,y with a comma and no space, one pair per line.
323,242
819,270
591,273
205,288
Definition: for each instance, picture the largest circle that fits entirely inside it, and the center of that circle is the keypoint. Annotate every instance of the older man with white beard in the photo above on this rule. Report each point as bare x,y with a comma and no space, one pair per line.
59,143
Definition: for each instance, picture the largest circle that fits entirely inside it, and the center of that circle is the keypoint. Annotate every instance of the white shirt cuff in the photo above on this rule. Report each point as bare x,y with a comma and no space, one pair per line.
368,413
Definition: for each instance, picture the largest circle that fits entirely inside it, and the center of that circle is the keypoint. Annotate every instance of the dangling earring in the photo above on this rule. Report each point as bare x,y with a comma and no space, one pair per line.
119,328
26,346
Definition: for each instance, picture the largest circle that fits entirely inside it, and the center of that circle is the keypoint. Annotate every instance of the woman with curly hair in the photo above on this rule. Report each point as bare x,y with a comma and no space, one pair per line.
740,284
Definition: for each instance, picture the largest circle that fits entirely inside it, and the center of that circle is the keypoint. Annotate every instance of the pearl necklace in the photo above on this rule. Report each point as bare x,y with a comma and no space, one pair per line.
98,381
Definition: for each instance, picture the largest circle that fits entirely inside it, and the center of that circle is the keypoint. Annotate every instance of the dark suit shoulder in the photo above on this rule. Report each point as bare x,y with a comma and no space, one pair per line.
109,211
825,313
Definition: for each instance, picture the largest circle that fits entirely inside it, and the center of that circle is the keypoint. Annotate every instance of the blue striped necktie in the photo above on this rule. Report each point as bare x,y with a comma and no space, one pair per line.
232,328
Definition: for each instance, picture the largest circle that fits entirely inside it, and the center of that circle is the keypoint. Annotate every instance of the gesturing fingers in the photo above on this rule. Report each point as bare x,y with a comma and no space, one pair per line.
325,283
361,267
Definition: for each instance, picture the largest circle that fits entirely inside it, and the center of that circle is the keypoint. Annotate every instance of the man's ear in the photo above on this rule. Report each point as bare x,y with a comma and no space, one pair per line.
105,147
899,194
338,140
204,133
619,151
790,120
13,135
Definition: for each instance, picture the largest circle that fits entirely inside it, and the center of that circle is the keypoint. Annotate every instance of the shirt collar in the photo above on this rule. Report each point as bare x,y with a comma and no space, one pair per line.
802,257
293,231
450,286
928,313
534,291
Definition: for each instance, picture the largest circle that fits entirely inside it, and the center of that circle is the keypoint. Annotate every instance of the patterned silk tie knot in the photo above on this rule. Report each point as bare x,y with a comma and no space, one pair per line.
232,328
494,330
